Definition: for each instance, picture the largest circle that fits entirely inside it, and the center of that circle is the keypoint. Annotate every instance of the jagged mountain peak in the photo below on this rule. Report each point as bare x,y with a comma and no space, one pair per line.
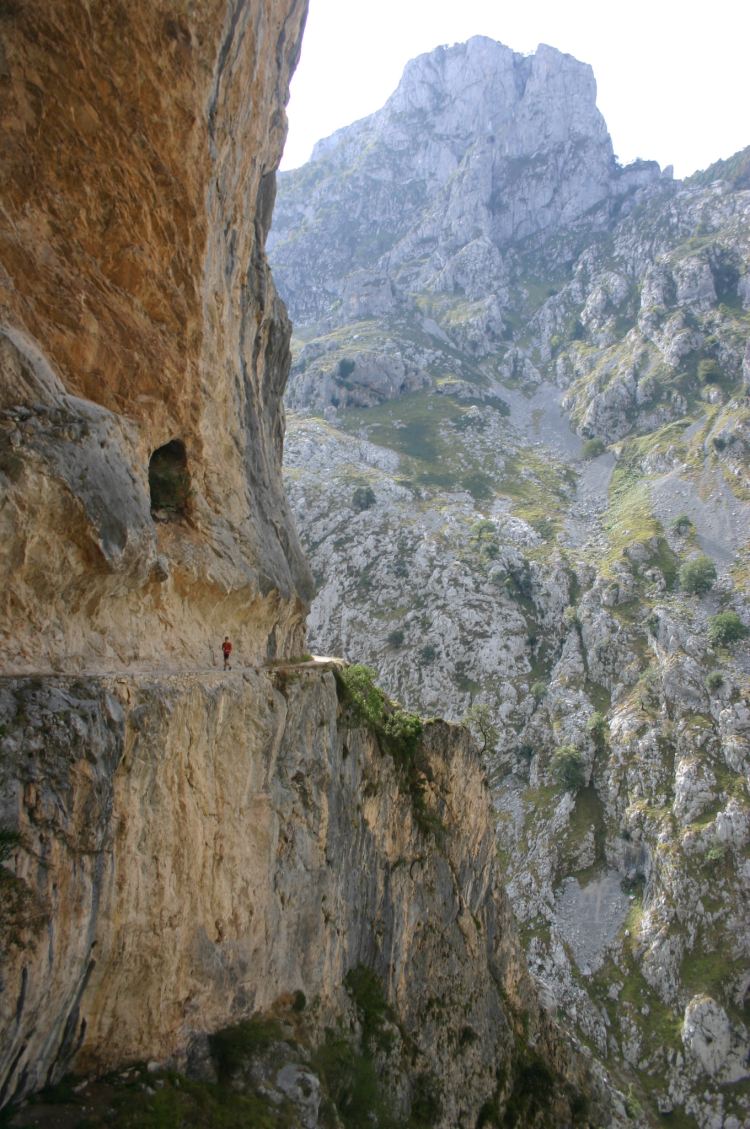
479,147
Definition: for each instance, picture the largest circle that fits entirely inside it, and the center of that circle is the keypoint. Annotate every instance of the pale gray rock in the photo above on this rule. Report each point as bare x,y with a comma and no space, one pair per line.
709,1038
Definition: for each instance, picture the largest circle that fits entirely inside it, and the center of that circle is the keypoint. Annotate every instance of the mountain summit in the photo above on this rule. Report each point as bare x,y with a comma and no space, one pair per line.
478,149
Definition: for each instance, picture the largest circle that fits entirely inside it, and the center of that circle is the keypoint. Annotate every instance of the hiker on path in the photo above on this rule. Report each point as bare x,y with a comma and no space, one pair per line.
226,648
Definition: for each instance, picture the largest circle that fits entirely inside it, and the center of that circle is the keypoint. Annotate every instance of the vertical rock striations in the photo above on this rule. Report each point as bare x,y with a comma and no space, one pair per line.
196,849
137,311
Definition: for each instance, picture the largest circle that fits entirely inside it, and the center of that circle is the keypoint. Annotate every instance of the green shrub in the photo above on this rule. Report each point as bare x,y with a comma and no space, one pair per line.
233,1046
395,638
726,627
709,371
592,448
484,540
652,623
544,527
426,1106
570,616
568,768
346,367
363,498
697,575
351,1084
402,731
682,524
427,654
367,992
366,699
714,680
538,690
397,730
597,727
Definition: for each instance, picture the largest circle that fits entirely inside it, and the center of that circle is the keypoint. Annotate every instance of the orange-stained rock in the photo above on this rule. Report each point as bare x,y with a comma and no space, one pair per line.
136,307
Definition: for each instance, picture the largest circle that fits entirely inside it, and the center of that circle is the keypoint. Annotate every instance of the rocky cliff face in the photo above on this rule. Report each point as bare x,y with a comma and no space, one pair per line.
138,312
197,848
527,442
478,153
183,851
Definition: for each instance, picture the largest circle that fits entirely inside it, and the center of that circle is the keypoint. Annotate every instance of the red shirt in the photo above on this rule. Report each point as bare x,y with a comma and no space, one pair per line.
226,647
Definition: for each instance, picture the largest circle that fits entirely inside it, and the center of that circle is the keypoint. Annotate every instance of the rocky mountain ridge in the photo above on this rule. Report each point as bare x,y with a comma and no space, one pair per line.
517,445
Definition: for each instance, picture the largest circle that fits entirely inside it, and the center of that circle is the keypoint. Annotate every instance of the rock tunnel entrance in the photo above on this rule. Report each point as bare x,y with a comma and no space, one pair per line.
169,480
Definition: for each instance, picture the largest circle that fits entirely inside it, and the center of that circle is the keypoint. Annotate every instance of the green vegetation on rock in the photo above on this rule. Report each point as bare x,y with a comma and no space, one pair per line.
726,627
697,575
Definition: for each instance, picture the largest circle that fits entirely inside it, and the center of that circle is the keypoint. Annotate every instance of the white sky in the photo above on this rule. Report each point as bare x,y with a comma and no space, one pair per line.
672,75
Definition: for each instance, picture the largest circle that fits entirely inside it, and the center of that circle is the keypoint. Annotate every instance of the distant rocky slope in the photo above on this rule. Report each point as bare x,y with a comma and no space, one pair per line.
268,897
518,461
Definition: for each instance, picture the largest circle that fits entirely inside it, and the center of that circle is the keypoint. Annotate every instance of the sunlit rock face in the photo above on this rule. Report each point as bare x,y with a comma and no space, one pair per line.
478,148
140,142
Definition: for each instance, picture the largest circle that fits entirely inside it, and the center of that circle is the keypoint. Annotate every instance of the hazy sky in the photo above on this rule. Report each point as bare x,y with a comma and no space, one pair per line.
672,75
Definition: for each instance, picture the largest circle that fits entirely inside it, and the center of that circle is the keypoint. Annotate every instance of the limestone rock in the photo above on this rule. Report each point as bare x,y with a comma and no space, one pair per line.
211,844
128,323
707,1034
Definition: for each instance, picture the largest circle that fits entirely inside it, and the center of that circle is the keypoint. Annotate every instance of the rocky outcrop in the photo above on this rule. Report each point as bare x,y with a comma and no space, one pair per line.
479,155
138,311
195,848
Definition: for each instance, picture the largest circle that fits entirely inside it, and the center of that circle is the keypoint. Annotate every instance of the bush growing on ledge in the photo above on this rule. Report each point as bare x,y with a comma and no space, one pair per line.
233,1046
597,727
568,768
363,498
592,448
682,524
726,627
538,690
697,576
366,990
709,371
714,680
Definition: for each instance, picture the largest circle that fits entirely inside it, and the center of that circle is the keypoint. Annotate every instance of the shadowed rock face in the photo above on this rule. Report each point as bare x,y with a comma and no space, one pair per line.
140,142
199,847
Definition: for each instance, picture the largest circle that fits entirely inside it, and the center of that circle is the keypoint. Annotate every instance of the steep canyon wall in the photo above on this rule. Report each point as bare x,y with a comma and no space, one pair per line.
181,848
137,310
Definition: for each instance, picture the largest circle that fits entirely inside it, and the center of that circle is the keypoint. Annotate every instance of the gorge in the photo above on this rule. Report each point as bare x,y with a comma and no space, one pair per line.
265,897
517,455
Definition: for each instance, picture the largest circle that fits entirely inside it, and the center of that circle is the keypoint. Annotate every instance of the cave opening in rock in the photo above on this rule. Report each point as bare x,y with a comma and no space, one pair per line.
169,480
